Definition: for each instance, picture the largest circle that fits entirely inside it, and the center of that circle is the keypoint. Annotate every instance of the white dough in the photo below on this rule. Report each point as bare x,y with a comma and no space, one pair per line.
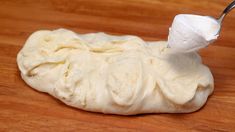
114,74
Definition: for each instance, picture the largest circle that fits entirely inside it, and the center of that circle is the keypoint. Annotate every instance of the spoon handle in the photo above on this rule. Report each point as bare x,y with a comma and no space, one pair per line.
226,11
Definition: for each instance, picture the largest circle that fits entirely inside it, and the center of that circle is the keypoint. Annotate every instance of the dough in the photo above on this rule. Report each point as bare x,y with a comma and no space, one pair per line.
114,74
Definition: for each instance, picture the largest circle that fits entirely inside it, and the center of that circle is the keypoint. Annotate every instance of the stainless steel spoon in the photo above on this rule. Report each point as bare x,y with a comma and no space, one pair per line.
226,11
222,16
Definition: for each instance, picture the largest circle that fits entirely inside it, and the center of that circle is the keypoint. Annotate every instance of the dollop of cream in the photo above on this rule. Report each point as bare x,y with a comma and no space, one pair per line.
192,32
114,74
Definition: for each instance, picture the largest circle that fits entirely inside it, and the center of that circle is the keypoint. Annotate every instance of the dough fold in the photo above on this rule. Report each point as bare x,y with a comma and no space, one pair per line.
114,74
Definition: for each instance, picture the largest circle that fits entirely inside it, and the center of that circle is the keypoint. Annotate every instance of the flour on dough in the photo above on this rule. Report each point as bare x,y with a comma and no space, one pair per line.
114,74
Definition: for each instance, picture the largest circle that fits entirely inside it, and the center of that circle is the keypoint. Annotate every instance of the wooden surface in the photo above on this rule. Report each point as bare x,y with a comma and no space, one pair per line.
24,109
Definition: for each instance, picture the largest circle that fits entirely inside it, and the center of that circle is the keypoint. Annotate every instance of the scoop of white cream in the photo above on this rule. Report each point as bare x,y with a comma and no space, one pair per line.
192,32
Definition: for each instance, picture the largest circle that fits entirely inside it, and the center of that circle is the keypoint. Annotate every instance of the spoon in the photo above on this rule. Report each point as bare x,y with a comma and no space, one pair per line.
226,11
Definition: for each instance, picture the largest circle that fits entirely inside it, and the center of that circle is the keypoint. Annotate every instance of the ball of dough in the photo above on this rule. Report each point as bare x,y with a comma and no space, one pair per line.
114,74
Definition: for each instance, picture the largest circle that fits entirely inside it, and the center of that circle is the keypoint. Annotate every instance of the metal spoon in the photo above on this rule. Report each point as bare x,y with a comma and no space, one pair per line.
222,16
226,11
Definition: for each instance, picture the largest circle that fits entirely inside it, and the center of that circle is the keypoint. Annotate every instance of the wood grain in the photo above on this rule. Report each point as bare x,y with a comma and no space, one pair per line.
24,109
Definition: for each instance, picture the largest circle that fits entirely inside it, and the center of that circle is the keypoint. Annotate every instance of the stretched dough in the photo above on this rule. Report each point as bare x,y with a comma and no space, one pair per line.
114,74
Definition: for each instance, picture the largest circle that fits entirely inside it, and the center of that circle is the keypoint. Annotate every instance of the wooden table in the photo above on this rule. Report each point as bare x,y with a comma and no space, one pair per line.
24,109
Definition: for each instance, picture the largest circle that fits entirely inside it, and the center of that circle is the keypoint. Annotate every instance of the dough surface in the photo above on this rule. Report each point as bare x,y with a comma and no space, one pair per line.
114,74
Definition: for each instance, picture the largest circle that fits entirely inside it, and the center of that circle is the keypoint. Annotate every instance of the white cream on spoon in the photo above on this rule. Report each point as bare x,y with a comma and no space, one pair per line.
190,33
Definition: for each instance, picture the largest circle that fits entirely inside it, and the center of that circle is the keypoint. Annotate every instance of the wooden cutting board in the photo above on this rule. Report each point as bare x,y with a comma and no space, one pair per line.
24,109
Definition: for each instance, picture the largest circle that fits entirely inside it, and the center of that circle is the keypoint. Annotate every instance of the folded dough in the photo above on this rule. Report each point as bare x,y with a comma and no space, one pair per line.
114,74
